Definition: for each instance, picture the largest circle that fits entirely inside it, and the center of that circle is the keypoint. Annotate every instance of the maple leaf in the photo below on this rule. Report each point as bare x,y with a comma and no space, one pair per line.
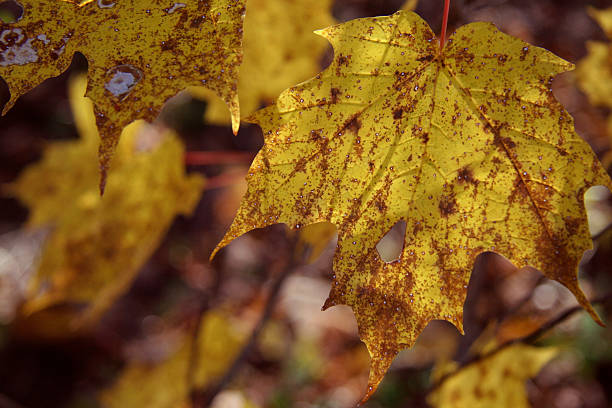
98,244
163,385
495,381
279,50
468,146
140,54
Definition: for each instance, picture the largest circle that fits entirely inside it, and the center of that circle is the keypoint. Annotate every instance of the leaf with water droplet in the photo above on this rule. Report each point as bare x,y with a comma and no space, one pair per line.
97,244
140,54
450,142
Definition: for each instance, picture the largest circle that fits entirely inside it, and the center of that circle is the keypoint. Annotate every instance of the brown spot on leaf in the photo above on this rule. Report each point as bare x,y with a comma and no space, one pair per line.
447,205
354,124
335,93
466,175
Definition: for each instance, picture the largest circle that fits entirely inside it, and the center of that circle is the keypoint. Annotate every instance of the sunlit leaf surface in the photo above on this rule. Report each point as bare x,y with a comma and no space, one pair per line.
468,146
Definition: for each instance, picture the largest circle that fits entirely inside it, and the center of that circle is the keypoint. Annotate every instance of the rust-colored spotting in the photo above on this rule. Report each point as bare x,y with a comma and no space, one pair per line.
472,164
140,54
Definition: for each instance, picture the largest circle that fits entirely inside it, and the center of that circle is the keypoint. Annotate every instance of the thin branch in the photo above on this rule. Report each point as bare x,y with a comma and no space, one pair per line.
524,300
530,338
204,399
204,304
197,158
223,180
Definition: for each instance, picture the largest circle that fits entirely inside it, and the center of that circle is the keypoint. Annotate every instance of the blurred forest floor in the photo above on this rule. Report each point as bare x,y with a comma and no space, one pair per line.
304,357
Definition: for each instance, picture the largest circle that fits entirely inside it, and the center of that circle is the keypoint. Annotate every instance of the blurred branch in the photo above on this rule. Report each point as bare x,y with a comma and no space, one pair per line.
223,180
217,157
525,299
204,398
530,338
204,303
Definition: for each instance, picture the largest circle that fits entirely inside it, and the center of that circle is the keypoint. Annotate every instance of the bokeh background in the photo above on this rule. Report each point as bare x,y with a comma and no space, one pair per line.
141,346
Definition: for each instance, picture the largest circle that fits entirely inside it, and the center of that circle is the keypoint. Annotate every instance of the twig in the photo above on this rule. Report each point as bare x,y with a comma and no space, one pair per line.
223,180
205,398
530,338
204,158
524,300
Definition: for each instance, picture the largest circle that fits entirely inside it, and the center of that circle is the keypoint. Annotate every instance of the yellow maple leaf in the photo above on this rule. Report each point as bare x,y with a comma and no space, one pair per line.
468,146
164,385
98,244
496,381
279,50
140,54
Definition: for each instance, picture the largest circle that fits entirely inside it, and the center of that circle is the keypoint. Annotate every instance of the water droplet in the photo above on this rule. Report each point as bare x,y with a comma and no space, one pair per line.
106,4
17,48
175,7
122,80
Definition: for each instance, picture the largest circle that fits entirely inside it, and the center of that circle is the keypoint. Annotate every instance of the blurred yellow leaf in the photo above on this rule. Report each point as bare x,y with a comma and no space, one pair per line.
497,381
98,244
467,145
594,72
410,5
164,385
140,54
279,50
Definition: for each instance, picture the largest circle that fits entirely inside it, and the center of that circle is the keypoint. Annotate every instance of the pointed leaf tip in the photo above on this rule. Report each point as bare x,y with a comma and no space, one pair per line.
469,147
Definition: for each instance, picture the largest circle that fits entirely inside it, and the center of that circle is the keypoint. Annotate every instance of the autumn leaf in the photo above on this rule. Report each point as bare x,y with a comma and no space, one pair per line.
140,54
98,244
495,381
468,146
164,385
279,50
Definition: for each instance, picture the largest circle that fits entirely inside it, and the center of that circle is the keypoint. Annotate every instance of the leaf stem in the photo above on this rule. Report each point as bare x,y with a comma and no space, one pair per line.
444,24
